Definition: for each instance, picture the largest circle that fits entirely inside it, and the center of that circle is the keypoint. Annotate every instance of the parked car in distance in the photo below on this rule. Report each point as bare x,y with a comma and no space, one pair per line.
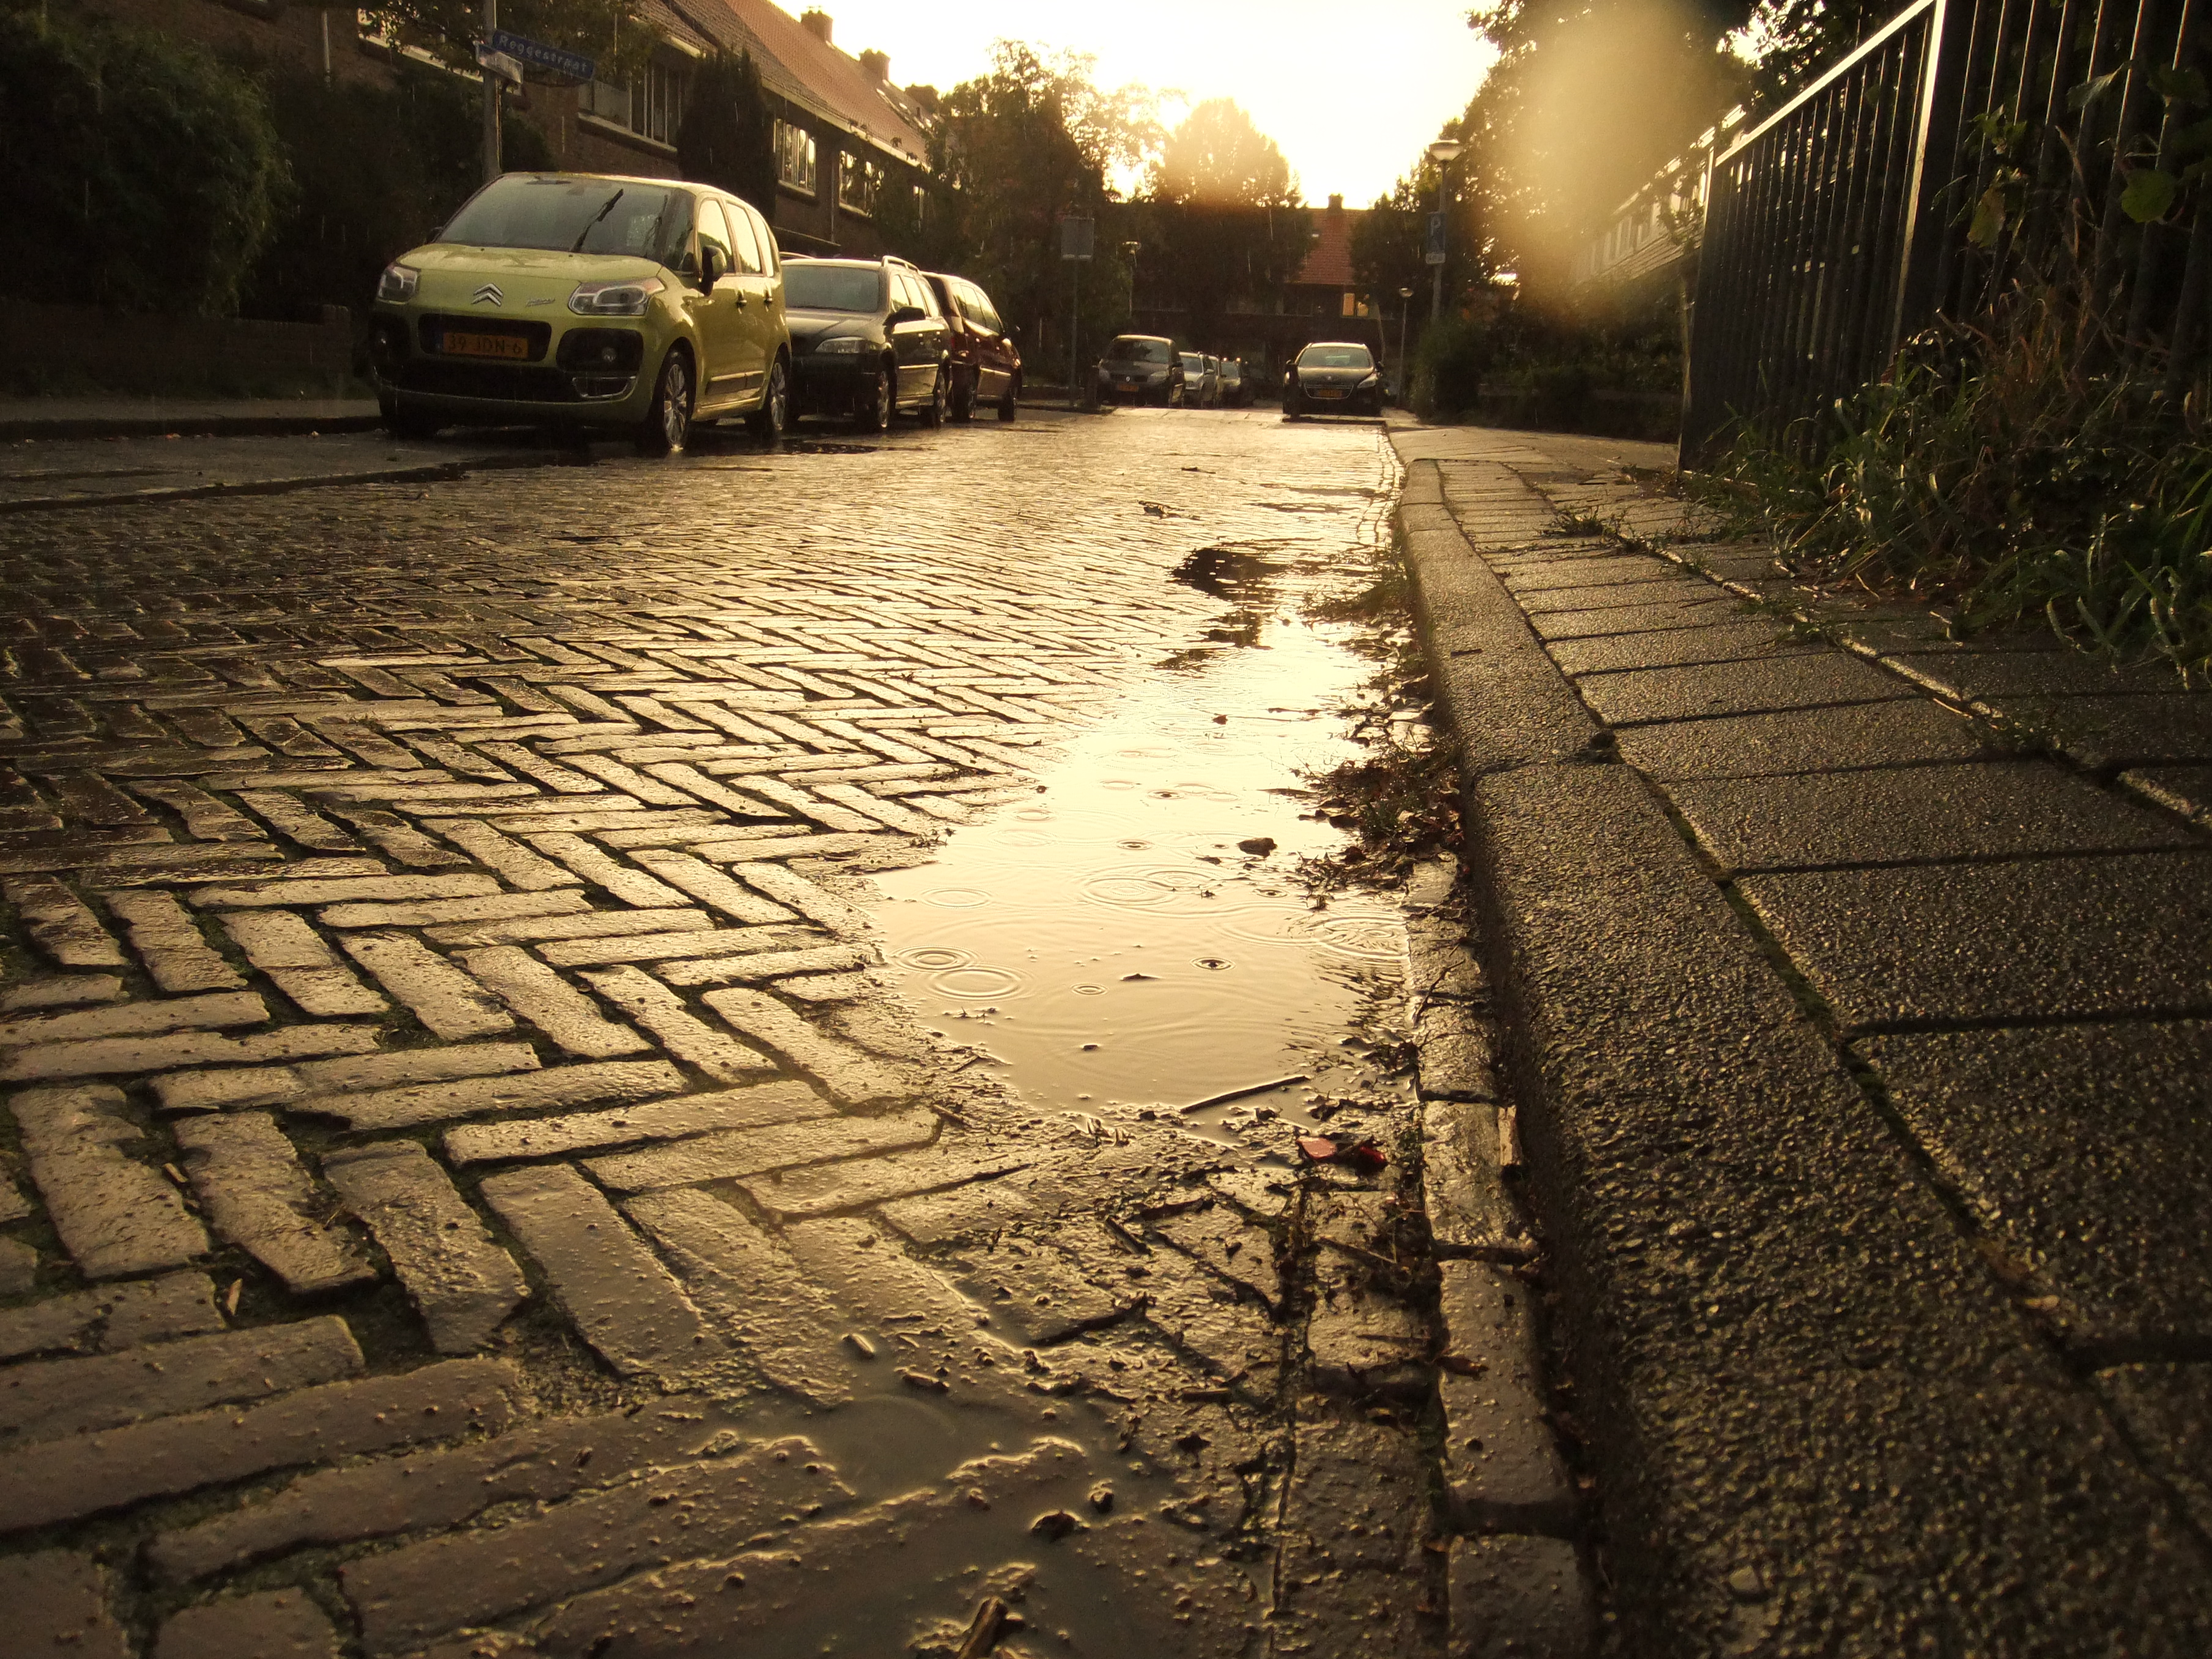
1141,368
867,340
1201,388
1338,376
987,364
587,302
1235,389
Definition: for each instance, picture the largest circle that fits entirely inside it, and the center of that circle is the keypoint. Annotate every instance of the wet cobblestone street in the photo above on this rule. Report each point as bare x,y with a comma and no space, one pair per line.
472,1184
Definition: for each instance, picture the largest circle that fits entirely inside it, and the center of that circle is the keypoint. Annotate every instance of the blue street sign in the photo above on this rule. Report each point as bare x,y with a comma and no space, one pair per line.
1436,249
536,53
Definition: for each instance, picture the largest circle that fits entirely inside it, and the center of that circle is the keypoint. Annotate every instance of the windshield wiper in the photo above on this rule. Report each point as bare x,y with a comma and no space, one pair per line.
585,235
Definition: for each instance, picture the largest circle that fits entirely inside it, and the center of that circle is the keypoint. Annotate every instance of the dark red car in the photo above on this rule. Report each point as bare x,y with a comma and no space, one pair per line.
987,365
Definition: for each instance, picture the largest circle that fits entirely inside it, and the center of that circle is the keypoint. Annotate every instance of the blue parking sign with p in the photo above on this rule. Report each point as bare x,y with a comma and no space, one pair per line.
1436,246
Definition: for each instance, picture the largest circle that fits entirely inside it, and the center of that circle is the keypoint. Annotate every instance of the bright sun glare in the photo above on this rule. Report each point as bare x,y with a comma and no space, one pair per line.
1352,92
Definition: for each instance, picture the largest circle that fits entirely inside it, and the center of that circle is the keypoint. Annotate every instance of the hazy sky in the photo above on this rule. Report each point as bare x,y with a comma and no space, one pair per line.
1351,91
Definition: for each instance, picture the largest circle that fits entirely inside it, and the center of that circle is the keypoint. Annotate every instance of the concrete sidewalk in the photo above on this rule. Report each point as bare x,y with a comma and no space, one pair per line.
1856,982
133,417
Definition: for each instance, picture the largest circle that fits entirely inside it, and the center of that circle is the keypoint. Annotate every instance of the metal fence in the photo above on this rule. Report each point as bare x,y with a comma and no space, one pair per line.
1967,142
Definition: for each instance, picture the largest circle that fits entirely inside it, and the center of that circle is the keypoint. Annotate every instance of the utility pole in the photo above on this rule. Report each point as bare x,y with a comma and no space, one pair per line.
490,97
1405,369
1078,238
1444,153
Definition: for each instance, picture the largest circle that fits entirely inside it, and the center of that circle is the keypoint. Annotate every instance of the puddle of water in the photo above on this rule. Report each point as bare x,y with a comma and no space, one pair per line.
1134,937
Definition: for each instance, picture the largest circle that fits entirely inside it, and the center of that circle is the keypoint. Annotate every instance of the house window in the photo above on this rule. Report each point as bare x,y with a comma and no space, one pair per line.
652,106
660,101
794,157
858,181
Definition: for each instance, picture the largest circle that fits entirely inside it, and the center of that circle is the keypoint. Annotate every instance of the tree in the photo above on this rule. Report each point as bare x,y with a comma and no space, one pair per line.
1217,158
727,137
1225,217
142,173
612,32
1588,99
1017,150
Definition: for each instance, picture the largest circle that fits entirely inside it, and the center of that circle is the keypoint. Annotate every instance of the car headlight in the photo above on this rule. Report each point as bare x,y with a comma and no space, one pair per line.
1369,380
842,345
397,283
627,298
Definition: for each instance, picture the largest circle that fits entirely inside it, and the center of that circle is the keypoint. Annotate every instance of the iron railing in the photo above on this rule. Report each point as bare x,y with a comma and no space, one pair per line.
1967,142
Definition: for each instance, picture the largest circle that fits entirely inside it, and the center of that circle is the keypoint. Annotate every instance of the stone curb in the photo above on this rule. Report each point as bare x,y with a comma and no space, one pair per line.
188,426
436,472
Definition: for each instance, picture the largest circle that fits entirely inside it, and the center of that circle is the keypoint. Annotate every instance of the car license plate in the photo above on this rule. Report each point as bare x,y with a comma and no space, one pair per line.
1318,393
485,345
1131,386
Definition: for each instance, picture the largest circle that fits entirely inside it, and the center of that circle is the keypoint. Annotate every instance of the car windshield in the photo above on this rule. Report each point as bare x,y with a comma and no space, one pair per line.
1335,357
1193,363
808,287
1131,349
572,215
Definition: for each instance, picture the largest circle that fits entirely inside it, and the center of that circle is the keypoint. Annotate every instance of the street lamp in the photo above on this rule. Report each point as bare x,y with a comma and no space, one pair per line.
1444,153
1405,378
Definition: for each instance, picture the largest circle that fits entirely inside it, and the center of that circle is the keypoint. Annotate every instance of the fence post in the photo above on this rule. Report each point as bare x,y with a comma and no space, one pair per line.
1929,205
1699,420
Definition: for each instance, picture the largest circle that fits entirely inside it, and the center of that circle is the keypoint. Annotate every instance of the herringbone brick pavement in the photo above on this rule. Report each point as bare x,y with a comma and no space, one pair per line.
437,1011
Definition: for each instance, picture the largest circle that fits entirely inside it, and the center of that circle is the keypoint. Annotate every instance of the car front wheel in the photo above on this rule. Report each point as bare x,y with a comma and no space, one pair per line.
769,421
668,424
875,413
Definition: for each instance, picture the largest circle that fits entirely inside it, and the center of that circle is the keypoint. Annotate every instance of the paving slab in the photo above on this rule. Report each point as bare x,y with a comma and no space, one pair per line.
1501,1464
1914,814
459,1279
87,1475
258,1195
115,1215
737,1153
510,1092
2167,1409
408,1596
1699,637
622,1299
2077,937
112,1316
767,1305
2105,733
1519,1598
57,1604
1759,686
758,1106
46,1399
2083,1150
423,1489
1787,1308
282,1624
1804,741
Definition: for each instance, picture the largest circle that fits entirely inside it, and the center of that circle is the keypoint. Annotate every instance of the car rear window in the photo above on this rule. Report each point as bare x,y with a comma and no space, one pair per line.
1131,349
810,287
582,216
1335,357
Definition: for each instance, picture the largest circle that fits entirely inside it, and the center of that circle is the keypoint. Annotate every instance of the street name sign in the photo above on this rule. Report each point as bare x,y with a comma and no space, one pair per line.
538,55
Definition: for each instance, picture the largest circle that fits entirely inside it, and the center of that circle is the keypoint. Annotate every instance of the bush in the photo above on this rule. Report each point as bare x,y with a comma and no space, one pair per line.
140,173
376,169
1448,369
2019,470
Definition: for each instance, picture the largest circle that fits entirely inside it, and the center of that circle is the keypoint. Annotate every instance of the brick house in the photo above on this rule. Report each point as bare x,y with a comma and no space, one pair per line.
844,134
1324,286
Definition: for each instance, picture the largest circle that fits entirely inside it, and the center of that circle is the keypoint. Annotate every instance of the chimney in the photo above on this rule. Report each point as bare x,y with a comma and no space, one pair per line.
1336,204
816,23
877,65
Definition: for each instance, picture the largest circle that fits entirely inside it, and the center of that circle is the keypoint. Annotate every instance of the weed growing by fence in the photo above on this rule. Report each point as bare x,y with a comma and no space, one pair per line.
2024,468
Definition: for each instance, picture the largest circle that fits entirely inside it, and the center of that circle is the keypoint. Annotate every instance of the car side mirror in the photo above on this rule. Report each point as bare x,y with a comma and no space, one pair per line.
906,314
711,268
